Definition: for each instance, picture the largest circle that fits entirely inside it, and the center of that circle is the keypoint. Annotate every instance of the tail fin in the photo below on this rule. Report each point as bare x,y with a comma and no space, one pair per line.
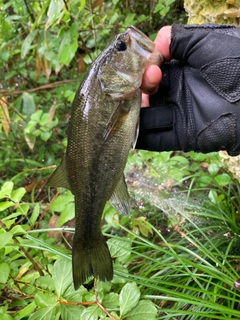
94,260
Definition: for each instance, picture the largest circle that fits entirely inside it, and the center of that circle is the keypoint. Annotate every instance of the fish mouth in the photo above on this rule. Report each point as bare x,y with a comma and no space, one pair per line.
146,47
139,36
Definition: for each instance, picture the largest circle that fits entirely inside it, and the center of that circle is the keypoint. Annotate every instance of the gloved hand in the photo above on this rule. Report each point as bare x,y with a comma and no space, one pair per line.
197,106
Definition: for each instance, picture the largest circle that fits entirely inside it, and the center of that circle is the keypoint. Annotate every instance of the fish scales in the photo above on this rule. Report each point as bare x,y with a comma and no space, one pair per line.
102,129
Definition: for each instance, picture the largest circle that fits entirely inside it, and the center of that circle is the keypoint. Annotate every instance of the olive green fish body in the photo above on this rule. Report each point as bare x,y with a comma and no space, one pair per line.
101,131
94,167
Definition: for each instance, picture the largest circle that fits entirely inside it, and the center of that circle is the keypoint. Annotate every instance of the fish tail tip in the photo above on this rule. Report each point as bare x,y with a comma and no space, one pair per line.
93,261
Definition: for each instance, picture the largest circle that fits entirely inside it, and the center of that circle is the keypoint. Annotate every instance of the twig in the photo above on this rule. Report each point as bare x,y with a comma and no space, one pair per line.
43,87
87,303
30,258
99,304
29,11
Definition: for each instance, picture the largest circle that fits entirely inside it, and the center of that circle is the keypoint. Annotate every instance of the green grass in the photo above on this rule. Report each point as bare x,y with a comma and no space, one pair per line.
176,257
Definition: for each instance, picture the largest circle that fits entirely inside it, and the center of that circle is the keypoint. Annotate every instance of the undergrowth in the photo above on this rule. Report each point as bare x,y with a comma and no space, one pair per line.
175,257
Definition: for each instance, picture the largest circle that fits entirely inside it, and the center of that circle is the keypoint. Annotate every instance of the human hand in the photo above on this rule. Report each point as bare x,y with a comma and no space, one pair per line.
153,74
197,106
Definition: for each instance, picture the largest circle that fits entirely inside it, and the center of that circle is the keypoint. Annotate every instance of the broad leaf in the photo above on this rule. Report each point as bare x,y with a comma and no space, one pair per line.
69,312
28,107
27,43
4,272
17,194
145,310
128,298
44,314
92,313
6,190
62,275
120,249
5,238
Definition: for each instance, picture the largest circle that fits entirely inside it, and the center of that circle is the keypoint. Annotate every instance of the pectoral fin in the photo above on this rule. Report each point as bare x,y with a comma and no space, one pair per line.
120,198
59,176
116,120
134,142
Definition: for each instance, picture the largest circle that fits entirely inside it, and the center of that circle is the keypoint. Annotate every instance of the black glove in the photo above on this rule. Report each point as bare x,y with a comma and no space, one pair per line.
197,106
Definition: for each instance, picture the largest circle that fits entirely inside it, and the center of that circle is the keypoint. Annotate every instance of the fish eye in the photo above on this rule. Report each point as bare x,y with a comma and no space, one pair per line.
120,46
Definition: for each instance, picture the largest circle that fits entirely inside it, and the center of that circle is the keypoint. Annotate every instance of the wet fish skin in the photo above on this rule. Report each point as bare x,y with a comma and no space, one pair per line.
102,129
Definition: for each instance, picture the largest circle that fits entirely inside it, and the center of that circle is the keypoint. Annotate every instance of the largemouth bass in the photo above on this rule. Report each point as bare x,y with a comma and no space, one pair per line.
102,129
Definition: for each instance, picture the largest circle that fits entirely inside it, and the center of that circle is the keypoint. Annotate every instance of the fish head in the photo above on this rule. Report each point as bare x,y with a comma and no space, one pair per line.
124,62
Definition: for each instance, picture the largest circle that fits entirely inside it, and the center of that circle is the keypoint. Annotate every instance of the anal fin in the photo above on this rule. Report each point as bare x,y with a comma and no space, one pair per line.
59,177
120,198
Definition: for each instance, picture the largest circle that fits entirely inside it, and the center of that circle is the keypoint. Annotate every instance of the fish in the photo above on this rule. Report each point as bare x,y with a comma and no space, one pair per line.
102,129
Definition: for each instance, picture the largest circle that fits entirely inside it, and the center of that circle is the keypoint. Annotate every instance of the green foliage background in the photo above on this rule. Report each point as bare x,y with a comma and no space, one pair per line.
176,257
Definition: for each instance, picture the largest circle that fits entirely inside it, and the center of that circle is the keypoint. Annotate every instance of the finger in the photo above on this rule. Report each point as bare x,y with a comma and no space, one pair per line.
145,100
151,79
163,41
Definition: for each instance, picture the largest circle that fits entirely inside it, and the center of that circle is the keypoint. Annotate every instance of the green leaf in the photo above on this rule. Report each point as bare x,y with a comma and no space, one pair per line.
28,310
5,205
23,208
35,213
4,272
111,300
67,214
128,298
18,230
45,282
6,317
9,223
92,313
36,116
28,107
27,43
223,179
62,275
120,248
120,273
44,119
145,310
46,135
69,312
129,20
44,299
17,195
5,238
11,216
62,201
213,196
113,18
66,51
54,11
82,4
141,224
44,314
213,168
203,181
3,313
6,190
5,54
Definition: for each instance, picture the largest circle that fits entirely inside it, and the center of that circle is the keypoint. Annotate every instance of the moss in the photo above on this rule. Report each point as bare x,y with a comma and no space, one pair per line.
216,11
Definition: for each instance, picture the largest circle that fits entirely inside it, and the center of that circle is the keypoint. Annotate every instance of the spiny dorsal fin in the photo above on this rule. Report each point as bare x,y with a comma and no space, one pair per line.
59,177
